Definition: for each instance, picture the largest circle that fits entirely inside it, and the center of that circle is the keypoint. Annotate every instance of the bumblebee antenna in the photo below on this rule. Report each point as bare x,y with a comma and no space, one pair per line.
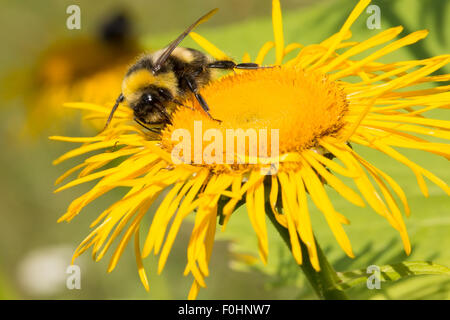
113,110
176,42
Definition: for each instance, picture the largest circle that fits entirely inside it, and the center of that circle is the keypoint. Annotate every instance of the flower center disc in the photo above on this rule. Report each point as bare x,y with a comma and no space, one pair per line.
303,106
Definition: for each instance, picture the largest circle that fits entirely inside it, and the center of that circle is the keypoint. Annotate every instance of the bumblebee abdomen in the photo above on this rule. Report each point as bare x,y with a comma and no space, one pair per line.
192,64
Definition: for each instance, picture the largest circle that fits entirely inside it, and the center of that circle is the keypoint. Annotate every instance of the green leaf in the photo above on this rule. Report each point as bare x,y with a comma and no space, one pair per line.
392,272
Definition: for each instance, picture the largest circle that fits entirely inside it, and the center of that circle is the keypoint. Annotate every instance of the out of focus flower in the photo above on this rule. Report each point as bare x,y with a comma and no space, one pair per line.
85,68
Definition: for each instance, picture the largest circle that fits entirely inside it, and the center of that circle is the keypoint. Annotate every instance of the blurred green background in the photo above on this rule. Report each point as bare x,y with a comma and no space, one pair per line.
35,251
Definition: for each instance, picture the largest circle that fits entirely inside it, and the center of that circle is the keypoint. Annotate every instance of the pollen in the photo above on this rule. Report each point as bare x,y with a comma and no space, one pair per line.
302,105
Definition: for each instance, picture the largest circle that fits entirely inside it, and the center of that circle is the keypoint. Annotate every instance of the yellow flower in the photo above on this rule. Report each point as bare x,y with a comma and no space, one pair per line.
319,114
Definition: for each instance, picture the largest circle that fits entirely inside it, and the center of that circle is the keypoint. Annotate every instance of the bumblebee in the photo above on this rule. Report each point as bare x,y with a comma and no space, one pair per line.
158,82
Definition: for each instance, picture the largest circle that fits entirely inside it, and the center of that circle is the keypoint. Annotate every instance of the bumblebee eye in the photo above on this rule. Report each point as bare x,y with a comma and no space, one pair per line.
147,98
164,93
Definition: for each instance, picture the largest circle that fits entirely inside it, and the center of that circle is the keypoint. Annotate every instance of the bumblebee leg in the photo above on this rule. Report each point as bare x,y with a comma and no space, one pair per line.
193,87
163,112
230,65
180,104
249,66
154,130
170,97
222,64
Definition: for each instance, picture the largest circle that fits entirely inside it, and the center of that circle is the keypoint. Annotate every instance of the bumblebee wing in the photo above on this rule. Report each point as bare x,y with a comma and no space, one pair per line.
163,57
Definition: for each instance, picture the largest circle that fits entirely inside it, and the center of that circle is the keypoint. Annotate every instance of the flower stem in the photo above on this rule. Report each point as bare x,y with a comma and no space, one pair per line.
323,282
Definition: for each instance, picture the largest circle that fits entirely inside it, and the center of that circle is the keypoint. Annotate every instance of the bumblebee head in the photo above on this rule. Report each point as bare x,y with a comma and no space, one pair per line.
144,105
151,105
